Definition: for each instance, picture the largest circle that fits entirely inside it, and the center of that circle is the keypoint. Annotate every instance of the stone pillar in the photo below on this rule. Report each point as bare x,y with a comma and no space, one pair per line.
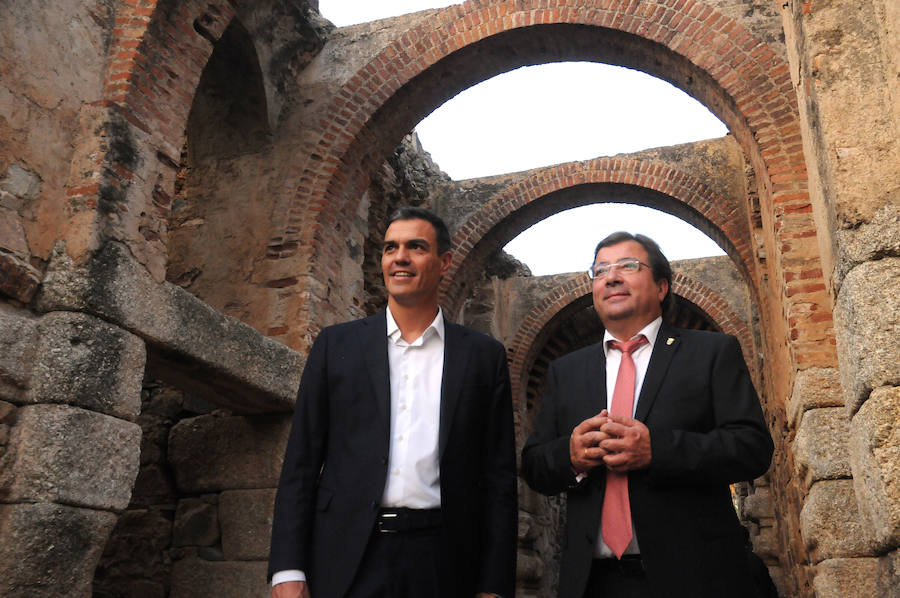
69,449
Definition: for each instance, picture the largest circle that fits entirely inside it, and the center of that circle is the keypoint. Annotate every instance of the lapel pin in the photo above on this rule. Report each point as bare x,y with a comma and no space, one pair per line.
670,340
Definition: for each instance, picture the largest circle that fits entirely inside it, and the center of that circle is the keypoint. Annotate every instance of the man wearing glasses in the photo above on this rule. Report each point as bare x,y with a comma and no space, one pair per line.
645,432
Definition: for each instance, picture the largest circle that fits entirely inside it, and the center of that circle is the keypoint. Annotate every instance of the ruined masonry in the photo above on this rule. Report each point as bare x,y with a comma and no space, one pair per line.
190,191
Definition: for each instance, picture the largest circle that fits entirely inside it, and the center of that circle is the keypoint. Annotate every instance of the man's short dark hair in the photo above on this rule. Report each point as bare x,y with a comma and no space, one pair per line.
659,265
414,213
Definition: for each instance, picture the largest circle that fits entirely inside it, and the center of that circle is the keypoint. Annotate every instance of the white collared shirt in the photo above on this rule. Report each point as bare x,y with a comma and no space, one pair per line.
641,358
416,369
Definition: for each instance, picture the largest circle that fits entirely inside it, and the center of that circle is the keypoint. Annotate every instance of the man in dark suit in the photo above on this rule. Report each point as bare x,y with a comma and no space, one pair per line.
399,476
645,432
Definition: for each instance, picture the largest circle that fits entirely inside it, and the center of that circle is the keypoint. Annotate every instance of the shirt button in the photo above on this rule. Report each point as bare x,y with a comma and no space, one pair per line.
400,437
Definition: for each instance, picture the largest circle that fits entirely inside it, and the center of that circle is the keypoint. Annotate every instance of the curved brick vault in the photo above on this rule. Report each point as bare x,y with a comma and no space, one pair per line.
524,347
427,60
523,202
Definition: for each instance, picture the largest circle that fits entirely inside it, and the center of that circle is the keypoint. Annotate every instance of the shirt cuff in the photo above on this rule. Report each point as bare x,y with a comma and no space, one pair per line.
288,575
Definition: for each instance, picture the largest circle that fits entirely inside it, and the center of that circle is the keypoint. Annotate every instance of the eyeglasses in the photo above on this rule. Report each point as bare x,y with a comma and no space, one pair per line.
628,265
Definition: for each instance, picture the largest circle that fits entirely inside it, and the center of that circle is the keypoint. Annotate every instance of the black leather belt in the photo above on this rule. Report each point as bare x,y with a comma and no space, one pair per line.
402,519
630,565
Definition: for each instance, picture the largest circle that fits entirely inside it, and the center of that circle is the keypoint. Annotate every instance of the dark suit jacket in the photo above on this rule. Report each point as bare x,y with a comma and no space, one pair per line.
335,465
706,432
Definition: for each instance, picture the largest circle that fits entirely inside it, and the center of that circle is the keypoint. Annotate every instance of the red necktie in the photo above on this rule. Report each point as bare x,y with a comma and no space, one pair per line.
615,521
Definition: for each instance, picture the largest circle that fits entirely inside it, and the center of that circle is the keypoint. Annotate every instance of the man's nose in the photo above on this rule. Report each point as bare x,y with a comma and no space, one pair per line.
614,276
401,255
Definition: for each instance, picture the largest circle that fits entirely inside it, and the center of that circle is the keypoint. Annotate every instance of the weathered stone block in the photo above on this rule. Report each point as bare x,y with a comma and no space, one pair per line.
867,326
193,577
201,350
843,578
890,574
821,450
87,362
72,456
830,523
813,388
759,504
18,335
18,279
875,457
246,520
766,544
196,523
49,549
212,453
870,240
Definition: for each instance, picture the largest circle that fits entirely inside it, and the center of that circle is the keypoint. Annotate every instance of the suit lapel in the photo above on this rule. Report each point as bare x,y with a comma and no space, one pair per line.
374,344
667,343
595,382
455,363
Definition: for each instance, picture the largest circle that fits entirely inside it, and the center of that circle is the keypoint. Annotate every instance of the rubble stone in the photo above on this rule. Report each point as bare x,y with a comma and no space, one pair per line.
211,453
246,521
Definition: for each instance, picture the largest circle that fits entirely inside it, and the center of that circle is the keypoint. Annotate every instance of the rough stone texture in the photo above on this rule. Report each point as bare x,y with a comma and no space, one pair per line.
875,457
189,343
211,453
758,505
245,517
890,574
870,241
196,523
830,523
849,578
89,363
18,333
815,387
18,279
842,59
65,454
867,319
192,577
136,562
49,549
820,447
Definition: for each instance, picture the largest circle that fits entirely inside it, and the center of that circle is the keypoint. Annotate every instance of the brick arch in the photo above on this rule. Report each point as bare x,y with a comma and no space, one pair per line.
147,35
521,351
713,57
676,192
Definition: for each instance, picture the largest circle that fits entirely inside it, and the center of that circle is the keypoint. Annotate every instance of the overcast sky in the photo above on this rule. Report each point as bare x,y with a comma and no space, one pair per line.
550,114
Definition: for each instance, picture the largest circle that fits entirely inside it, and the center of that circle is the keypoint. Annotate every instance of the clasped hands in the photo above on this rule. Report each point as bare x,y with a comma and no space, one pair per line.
619,443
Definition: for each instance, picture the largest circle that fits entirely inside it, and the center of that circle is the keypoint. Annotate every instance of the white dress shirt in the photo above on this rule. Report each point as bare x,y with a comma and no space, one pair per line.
416,372
641,358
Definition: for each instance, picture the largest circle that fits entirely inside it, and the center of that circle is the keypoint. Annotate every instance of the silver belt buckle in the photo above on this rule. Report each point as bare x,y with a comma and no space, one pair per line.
381,519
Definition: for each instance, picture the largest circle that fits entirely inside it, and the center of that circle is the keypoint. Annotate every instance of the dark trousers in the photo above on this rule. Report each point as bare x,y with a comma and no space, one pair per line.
610,578
399,565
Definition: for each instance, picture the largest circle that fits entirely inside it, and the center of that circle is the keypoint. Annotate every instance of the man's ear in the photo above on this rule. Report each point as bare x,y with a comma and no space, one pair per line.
446,259
663,288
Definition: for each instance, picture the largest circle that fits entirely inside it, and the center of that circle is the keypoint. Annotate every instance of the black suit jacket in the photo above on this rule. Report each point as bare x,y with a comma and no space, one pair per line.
706,432
335,465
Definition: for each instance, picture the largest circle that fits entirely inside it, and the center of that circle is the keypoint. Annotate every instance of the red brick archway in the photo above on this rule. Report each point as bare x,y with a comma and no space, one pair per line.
522,350
713,57
159,51
677,192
